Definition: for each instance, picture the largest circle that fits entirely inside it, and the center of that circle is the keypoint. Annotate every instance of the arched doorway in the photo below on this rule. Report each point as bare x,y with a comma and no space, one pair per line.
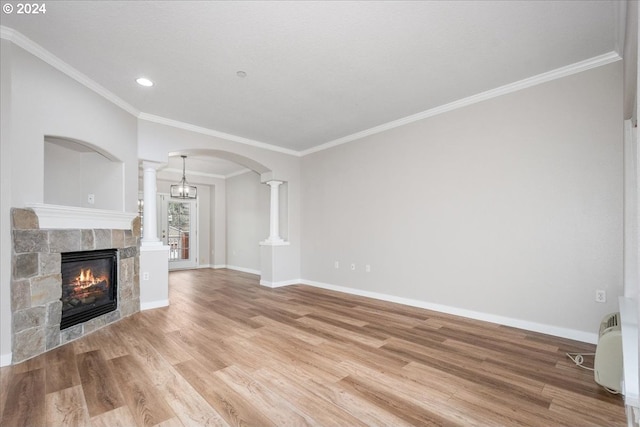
223,227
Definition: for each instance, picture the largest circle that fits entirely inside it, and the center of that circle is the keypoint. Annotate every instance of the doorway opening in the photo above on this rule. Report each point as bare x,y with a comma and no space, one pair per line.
179,230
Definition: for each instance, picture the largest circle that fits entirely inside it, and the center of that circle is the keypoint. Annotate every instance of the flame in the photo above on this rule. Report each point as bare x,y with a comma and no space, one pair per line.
86,279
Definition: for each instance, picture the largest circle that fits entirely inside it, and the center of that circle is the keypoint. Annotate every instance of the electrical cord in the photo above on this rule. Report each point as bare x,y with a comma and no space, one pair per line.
578,359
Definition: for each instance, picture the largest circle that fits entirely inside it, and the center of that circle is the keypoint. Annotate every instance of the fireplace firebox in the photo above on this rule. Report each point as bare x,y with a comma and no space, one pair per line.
89,284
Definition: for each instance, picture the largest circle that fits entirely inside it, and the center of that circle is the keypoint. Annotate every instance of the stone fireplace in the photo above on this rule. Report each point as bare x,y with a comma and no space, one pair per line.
37,281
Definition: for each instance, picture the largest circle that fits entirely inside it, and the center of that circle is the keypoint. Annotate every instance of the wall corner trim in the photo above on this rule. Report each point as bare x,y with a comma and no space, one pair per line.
154,304
242,269
274,285
5,359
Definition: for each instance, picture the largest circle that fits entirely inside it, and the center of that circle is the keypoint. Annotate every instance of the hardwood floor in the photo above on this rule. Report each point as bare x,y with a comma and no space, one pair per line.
229,352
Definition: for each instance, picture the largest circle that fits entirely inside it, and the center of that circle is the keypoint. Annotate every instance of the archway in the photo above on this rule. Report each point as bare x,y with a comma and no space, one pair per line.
226,221
226,155
262,212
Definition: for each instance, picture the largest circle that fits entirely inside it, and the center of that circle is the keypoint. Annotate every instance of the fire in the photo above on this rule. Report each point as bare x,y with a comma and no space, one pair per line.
86,279
86,287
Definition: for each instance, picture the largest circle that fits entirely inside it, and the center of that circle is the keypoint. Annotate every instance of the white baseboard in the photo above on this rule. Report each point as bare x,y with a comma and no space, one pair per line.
573,334
154,304
280,284
204,266
5,359
242,269
216,266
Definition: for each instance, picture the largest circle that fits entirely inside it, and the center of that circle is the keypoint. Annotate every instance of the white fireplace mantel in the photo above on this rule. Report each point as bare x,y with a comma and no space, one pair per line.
71,217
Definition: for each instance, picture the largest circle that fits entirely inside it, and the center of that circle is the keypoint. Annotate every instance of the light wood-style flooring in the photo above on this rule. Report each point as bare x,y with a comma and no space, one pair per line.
229,352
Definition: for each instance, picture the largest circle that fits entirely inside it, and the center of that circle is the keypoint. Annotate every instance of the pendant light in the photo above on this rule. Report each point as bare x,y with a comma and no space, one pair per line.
183,190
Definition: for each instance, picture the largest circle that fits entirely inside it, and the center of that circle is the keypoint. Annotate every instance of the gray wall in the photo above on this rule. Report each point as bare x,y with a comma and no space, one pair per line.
510,207
247,220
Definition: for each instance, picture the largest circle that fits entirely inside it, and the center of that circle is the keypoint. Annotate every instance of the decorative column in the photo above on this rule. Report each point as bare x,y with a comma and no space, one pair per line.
150,217
274,248
154,255
274,216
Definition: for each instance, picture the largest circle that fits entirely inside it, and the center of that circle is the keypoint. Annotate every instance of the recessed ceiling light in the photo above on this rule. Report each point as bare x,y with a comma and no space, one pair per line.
241,74
143,81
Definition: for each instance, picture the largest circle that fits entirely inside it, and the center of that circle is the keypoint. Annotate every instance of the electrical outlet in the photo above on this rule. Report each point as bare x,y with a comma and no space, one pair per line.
145,275
336,264
353,267
91,199
367,268
601,295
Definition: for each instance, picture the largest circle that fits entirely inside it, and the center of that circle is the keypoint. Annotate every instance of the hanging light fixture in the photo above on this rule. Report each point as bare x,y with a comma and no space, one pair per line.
183,190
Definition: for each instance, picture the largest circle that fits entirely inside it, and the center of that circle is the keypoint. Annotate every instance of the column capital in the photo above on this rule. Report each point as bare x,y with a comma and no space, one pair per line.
274,183
149,165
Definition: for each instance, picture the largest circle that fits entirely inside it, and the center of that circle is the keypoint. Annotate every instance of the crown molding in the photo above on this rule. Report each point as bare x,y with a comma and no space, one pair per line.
38,51
578,67
620,27
206,131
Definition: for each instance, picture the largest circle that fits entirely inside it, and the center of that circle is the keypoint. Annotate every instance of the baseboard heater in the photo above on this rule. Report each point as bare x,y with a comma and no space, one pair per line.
607,369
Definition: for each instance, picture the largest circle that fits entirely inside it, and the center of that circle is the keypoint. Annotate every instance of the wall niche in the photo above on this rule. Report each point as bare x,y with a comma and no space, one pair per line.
77,174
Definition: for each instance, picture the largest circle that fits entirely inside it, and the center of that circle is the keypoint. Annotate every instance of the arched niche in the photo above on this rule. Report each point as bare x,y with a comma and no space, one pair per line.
79,174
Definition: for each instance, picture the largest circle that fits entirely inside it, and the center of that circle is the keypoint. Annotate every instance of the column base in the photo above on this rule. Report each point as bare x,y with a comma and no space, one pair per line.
274,242
154,243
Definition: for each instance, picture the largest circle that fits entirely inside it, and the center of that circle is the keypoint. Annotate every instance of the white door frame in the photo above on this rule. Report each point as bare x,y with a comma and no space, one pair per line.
163,203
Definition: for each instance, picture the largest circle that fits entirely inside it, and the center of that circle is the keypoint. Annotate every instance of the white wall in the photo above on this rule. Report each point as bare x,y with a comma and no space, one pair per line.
61,186
38,100
47,102
510,207
154,292
219,226
631,213
247,220
5,202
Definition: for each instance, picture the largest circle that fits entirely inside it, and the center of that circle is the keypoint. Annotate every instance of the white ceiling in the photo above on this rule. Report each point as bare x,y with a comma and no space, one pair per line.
316,71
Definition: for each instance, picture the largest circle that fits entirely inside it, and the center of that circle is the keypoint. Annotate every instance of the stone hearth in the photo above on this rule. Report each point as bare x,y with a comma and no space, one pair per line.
36,284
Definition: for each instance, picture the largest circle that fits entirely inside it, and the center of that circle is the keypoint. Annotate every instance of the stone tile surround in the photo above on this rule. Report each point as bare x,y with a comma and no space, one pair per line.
36,281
